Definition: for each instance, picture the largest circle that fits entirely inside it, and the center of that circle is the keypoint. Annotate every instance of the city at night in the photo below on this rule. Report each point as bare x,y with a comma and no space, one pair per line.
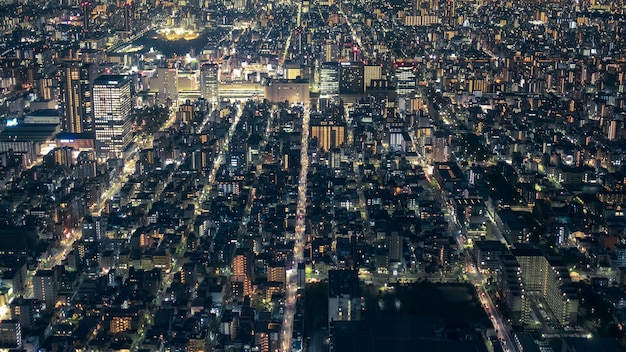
313,175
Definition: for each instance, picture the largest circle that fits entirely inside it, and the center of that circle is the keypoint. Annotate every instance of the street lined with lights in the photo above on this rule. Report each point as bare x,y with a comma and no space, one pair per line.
299,240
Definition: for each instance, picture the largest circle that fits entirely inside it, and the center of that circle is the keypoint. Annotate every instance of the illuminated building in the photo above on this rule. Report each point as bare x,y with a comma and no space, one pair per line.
22,310
551,281
329,81
45,287
120,324
351,78
329,134
166,82
241,285
112,105
241,264
76,96
293,91
209,82
10,334
276,272
86,15
406,81
344,295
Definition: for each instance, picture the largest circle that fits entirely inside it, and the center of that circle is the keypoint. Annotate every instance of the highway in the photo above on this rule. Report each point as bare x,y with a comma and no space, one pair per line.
300,239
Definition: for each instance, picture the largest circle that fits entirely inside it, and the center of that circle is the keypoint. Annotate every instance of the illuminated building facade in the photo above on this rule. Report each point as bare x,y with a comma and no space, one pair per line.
209,82
76,96
112,105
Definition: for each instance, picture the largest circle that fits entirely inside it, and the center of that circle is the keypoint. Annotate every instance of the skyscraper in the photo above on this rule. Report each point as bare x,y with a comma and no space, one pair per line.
329,81
76,101
128,17
351,78
86,5
406,82
209,82
111,108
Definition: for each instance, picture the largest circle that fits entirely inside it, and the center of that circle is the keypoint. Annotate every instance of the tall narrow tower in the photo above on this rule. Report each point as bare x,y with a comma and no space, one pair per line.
128,17
112,105
75,78
209,82
86,6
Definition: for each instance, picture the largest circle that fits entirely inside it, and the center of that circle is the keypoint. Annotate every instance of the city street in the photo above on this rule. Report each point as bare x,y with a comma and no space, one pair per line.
300,238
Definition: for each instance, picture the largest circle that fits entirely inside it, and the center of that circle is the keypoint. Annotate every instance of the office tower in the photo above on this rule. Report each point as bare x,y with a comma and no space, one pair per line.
10,334
45,287
111,108
209,82
76,77
406,81
329,134
351,78
329,81
372,73
166,82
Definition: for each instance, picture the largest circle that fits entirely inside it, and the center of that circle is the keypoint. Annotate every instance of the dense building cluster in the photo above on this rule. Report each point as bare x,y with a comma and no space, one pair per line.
315,175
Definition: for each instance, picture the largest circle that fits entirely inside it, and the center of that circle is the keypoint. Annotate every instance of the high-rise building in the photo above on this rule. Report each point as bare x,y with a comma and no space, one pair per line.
166,82
276,272
351,78
329,81
344,295
209,82
241,263
45,287
10,334
371,74
395,244
329,134
22,310
406,81
111,108
76,77
128,17
86,5
241,284
550,280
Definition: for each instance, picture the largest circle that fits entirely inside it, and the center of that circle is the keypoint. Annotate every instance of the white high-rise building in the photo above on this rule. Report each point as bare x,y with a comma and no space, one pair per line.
329,81
209,83
111,109
406,81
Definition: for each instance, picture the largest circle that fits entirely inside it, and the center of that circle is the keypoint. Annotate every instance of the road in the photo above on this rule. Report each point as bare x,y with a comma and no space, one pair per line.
300,238
169,276
218,161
